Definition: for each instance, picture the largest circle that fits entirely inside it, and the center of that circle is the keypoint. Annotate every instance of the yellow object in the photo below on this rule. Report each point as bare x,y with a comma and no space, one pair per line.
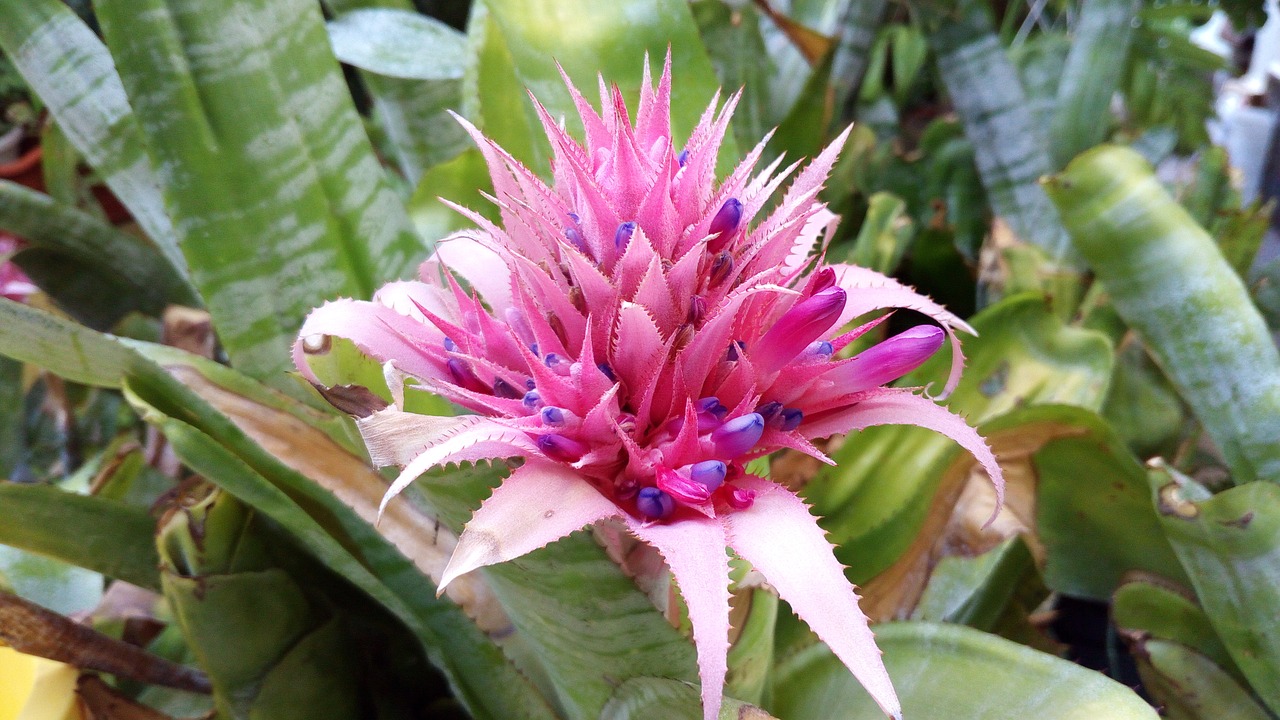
33,688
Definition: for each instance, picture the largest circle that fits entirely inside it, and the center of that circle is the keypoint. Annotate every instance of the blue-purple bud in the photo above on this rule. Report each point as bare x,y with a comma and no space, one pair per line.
724,224
464,377
623,235
574,236
450,345
559,447
533,348
791,419
608,371
683,157
735,350
820,349
738,435
654,504
532,400
551,360
769,410
711,405
552,416
530,384
708,472
504,389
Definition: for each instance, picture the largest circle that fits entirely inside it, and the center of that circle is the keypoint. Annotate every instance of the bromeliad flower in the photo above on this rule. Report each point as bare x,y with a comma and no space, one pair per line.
636,333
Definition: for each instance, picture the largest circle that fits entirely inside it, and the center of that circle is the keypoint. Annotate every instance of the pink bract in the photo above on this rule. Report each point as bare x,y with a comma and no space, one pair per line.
636,332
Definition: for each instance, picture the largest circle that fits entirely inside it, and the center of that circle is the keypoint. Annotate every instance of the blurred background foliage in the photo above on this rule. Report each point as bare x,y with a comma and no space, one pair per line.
187,528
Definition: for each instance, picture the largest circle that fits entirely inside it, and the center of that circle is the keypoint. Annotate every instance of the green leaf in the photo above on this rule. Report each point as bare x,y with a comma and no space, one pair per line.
460,180
110,537
885,234
1143,407
651,697
74,75
399,44
1153,607
857,29
58,586
980,591
277,196
736,48
875,499
1190,686
950,671
1230,547
1099,48
1171,284
12,416
586,38
61,346
125,272
1011,149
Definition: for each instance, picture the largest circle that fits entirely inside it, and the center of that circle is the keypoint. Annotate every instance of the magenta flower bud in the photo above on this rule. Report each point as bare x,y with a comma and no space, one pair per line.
654,504
724,224
627,423
682,488
802,324
623,235
504,389
559,447
697,310
738,435
708,472
891,359
825,278
741,499
532,400
552,416
791,419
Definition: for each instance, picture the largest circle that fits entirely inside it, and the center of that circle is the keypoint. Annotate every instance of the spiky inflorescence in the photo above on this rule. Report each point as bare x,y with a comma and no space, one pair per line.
637,332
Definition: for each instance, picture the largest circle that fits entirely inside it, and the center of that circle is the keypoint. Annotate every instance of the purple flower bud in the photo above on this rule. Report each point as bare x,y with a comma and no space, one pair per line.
504,389
530,384
574,217
724,224
559,447
552,416
683,157
533,348
532,400
654,504
464,377
735,349
798,326
825,278
557,364
738,435
791,419
574,236
891,359
769,410
709,473
819,349
623,235
450,345
608,371
711,405
721,266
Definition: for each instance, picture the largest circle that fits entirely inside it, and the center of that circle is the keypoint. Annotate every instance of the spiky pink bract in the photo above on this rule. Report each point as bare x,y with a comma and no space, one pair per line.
638,333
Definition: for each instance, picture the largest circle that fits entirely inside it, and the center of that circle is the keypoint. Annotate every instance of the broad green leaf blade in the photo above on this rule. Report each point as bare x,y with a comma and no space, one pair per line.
588,37
1154,608
398,44
52,584
1093,507
459,180
1189,686
1011,149
1170,283
1099,49
329,528
857,30
12,416
110,537
736,49
413,69
136,274
61,346
1230,548
950,671
979,591
877,496
886,232
75,76
276,194
645,698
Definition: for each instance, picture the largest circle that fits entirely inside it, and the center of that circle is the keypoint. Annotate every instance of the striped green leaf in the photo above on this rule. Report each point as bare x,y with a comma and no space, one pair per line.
75,76
276,194
1170,283
1011,149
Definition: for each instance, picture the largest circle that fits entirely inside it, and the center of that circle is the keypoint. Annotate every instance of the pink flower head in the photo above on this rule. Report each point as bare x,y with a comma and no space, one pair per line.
637,332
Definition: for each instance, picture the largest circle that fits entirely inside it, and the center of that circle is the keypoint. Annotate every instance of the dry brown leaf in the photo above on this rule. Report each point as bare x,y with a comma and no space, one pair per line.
812,44
100,701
